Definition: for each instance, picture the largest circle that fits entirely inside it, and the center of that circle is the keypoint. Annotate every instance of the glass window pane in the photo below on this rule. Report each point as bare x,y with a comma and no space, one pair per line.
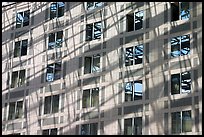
93,128
47,105
139,20
53,10
175,84
138,126
128,91
11,114
174,11
24,47
86,98
138,90
185,11
53,131
96,63
19,19
97,30
138,54
176,122
186,121
60,9
57,73
26,18
95,97
51,43
19,109
50,72
185,82
55,104
14,80
129,56
130,22
87,65
89,32
128,126
185,45
175,47
85,129
17,49
59,39
45,132
21,78
98,4
90,5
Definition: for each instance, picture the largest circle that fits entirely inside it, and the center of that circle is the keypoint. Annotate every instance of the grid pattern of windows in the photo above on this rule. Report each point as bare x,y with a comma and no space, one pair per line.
20,48
22,19
55,40
15,110
134,55
181,83
133,126
133,90
18,78
181,122
90,98
56,10
53,71
180,45
89,129
51,104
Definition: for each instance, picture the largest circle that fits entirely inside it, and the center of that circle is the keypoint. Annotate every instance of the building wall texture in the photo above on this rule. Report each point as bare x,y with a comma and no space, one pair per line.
157,103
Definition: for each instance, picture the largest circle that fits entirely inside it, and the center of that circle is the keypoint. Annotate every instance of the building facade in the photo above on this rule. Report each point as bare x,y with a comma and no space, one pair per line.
102,68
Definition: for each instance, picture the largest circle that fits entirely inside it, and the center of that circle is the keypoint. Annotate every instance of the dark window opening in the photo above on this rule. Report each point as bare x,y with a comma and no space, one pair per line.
57,10
93,31
15,110
20,48
180,11
89,129
53,71
92,64
133,126
52,131
134,21
51,104
55,40
22,19
18,78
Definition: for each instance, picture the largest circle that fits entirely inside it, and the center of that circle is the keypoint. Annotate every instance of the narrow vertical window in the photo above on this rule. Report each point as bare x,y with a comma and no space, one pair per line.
175,84
186,121
139,20
128,126
176,122
86,98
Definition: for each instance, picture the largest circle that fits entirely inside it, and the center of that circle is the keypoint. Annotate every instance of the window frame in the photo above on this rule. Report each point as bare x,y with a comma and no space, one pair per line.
16,114
89,128
180,11
57,41
90,102
57,10
91,68
18,79
91,28
56,72
51,110
133,125
49,131
23,20
94,5
20,48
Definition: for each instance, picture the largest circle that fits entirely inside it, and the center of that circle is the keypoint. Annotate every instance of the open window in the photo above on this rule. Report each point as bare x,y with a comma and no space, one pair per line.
53,71
180,45
133,90
57,10
55,40
90,98
134,55
18,78
52,131
180,11
51,104
92,64
20,48
133,126
22,19
134,21
181,83
93,31
93,5
181,122
89,129
15,110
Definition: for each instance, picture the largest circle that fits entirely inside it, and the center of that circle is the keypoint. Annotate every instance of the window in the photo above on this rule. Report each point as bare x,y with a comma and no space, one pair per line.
90,98
135,21
180,45
180,11
56,10
20,48
53,71
93,5
18,78
51,104
181,83
89,129
52,131
133,126
92,64
15,110
133,90
181,122
22,19
93,31
134,55
55,40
